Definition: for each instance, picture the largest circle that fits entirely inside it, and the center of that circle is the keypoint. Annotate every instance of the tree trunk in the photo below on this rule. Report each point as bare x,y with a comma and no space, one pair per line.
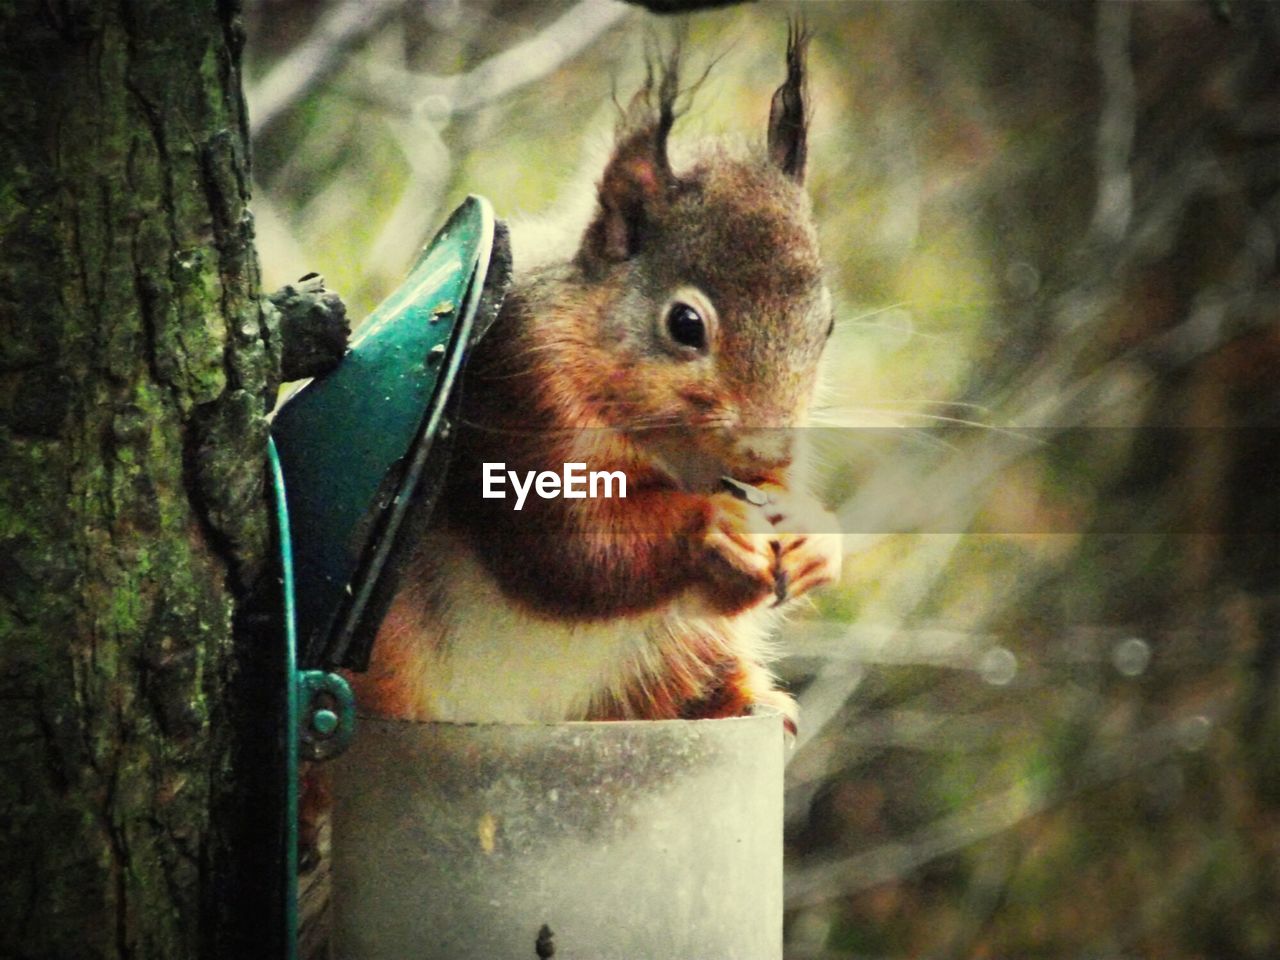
135,361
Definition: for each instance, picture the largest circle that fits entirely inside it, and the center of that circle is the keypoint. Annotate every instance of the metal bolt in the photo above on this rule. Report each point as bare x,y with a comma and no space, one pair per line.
324,722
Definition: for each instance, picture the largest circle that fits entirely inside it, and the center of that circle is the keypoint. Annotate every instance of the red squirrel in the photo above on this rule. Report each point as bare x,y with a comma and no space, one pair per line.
678,343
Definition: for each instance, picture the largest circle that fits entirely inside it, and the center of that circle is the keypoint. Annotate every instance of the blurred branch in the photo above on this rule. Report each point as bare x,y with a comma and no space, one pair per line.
419,130
313,60
892,861
1114,205
880,644
993,815
500,75
351,21
898,597
985,894
430,165
1052,394
957,490
423,104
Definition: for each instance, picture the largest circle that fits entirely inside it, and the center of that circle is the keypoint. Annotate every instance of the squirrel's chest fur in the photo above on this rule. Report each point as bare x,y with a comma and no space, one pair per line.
465,653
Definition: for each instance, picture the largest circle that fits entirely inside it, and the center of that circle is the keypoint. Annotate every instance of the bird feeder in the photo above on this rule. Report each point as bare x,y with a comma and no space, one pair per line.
616,839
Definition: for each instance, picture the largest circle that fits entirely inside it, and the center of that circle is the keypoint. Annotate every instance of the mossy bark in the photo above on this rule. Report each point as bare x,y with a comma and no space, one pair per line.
135,359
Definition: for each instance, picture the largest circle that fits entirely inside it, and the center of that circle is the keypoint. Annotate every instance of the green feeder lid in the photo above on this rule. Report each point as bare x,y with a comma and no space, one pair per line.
363,448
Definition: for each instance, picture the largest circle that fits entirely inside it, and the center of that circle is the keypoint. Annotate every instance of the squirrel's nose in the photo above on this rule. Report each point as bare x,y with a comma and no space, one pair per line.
762,448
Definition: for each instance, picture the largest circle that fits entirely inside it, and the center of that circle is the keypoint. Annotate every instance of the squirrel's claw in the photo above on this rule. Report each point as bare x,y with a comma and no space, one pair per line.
807,547
779,587
817,571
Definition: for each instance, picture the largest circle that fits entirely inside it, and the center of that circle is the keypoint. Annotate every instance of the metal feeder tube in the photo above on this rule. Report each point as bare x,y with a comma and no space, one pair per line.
657,839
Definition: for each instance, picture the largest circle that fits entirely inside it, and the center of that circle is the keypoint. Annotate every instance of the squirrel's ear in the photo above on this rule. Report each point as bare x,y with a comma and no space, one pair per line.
637,180
789,113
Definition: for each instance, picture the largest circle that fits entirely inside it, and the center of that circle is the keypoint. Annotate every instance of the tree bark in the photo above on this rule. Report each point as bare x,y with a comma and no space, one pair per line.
134,365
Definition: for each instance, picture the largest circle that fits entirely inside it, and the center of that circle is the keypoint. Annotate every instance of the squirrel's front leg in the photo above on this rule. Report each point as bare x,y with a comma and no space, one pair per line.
757,554
780,549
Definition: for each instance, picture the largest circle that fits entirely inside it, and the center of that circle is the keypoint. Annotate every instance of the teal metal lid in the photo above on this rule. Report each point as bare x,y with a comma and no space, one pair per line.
361,447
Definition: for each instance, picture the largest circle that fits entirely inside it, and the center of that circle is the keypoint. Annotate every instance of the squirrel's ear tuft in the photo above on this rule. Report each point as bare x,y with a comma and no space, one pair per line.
637,180
789,113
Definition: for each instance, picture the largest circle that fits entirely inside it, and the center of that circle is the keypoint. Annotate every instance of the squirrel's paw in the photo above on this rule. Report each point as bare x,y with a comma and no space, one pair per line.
772,699
782,549
740,557
806,544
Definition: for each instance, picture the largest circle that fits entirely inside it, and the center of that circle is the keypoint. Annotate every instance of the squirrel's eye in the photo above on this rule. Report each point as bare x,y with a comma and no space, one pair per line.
686,326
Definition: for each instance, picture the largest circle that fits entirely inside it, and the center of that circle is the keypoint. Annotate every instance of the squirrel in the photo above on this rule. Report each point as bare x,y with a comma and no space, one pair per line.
680,344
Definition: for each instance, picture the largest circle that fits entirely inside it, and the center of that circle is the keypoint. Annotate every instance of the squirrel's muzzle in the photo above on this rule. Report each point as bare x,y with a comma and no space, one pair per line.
697,457
755,450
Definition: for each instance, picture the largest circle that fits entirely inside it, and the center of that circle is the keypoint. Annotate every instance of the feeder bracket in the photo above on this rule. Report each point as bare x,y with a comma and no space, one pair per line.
326,715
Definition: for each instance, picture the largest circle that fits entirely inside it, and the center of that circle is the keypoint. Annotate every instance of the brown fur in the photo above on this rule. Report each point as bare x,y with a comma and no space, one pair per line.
576,369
